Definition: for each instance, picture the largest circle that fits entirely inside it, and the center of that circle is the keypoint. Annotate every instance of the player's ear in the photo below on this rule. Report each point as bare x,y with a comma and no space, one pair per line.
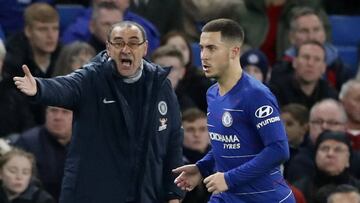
235,52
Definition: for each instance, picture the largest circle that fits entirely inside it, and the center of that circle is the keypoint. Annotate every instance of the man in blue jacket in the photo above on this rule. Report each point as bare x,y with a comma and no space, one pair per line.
127,129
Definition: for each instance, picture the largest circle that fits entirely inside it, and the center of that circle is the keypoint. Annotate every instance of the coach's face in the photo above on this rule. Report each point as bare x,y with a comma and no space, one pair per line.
127,46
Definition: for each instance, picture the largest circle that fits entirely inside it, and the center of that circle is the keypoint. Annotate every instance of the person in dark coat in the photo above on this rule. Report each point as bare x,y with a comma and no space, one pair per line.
332,161
16,185
127,129
48,143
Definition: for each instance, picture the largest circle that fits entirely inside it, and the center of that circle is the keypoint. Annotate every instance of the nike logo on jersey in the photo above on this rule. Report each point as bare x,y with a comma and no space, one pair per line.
105,101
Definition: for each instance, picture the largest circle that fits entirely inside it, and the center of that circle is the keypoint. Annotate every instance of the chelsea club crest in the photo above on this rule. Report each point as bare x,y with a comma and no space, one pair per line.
162,106
227,119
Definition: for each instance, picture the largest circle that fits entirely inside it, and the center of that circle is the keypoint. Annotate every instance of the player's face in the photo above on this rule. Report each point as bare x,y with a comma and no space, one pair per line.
310,64
127,47
215,54
332,157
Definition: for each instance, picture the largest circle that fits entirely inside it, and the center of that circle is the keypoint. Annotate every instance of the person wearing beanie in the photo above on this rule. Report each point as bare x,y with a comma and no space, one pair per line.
256,64
332,161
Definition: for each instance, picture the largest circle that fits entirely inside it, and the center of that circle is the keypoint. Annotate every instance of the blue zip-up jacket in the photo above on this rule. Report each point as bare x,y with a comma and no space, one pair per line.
100,161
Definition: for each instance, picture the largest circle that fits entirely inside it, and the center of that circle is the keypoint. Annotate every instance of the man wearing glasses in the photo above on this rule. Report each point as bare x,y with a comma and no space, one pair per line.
127,129
328,114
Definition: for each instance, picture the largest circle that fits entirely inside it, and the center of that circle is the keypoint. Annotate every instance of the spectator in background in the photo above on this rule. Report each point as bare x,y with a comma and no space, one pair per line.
350,98
255,63
12,14
49,143
79,30
196,136
306,25
165,15
195,84
266,24
306,86
332,162
37,46
344,194
198,12
196,144
72,57
170,56
296,121
103,16
16,170
15,113
327,114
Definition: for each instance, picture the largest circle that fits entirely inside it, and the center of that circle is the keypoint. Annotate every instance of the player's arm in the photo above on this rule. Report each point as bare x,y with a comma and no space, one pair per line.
207,164
270,157
264,115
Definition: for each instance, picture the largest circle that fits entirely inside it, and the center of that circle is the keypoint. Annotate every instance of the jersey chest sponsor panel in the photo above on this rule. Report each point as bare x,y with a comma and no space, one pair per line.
234,140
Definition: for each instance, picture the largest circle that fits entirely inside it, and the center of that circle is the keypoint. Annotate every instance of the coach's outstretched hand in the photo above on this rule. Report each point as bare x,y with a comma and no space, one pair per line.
26,84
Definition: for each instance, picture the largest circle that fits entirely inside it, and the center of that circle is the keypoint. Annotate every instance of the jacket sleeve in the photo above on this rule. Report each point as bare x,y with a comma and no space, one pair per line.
63,91
174,148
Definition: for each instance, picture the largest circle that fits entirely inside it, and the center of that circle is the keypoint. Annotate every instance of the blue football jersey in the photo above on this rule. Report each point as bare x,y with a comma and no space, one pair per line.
241,124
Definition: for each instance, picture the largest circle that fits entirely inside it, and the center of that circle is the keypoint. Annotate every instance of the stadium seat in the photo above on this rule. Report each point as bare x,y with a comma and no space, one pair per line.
345,30
350,56
68,13
346,37
195,49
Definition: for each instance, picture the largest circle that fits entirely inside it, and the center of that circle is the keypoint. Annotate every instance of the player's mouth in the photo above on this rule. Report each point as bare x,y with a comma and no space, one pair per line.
206,67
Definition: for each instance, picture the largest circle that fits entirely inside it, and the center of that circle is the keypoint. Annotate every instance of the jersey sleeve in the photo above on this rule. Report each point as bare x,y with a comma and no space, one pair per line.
264,115
206,164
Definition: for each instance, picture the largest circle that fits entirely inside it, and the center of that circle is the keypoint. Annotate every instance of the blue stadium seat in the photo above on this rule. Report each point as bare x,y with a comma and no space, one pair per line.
346,37
350,56
345,30
195,49
68,13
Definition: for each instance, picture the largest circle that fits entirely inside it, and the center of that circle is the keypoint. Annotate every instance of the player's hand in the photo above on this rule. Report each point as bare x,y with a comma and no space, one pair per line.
189,177
216,183
26,84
